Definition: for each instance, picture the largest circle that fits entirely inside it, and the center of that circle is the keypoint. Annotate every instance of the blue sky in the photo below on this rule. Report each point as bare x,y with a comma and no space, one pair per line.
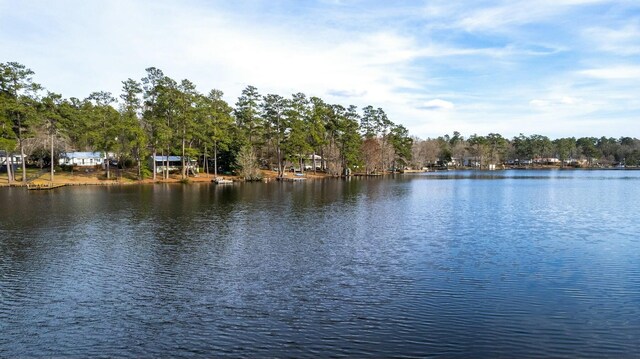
550,67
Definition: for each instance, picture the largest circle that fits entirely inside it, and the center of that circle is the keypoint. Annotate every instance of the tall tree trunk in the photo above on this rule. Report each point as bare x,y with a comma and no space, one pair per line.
184,168
382,159
167,166
21,142
108,169
215,160
164,164
24,163
155,166
52,157
314,161
206,163
343,160
9,164
10,172
280,170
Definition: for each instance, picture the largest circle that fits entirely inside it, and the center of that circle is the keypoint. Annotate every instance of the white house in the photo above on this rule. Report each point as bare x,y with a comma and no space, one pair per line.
175,163
5,160
82,159
14,158
312,160
546,161
471,161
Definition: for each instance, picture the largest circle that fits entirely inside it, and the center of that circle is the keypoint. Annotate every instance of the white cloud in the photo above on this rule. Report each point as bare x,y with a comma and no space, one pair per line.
508,14
539,103
437,104
621,72
415,61
556,101
567,100
623,41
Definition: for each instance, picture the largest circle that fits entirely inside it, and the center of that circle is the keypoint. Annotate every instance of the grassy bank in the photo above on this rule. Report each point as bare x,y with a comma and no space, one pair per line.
79,178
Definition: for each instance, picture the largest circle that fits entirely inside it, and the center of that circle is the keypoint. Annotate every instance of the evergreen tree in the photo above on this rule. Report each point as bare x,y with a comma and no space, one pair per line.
317,125
217,125
132,139
276,125
296,144
401,143
247,114
152,121
7,139
18,92
50,112
104,122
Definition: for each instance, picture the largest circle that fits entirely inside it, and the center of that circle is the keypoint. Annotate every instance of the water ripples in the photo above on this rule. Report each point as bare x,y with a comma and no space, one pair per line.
380,268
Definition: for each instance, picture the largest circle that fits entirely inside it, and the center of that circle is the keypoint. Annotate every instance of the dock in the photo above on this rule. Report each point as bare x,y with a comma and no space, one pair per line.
222,181
413,171
291,179
44,186
367,174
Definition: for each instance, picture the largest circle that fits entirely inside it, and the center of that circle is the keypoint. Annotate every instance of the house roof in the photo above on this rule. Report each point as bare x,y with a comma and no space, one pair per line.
82,155
171,158
3,153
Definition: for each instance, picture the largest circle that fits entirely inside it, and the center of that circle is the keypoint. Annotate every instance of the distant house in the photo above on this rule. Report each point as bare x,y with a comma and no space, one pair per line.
311,160
576,162
471,161
14,159
547,161
82,159
174,164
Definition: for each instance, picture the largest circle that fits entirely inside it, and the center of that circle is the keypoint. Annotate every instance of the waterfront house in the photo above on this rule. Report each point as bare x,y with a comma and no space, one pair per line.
82,159
174,163
547,161
14,159
471,161
312,160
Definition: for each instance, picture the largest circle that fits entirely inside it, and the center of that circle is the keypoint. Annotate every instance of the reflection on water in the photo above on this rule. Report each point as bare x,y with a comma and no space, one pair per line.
534,263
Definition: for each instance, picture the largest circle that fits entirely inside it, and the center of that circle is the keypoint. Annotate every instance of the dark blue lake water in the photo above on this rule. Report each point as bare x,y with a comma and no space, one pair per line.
472,264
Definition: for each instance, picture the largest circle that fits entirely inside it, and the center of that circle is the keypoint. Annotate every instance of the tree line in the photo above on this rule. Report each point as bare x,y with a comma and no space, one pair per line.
493,148
159,116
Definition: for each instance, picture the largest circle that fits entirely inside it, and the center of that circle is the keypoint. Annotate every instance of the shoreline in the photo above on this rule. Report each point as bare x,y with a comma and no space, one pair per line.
67,179
268,176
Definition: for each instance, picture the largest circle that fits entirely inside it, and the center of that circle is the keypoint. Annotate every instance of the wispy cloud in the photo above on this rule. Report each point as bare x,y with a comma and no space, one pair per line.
436,66
346,93
437,104
622,72
623,40
506,15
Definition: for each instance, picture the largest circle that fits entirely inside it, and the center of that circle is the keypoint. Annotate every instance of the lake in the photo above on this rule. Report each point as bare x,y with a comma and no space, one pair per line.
468,264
